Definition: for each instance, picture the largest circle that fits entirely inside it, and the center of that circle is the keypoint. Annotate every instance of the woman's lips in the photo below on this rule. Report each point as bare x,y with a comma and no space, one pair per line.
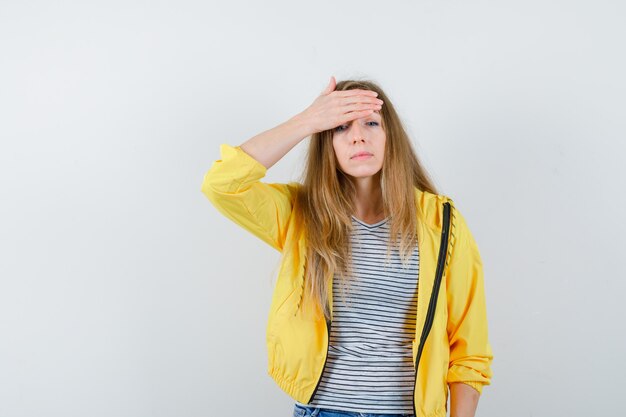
364,156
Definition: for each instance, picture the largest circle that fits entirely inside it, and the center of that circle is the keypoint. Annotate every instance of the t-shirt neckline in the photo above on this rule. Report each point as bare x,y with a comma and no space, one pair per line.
371,225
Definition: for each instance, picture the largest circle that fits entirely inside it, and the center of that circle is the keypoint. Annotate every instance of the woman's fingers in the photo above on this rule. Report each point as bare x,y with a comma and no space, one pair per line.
350,116
360,107
360,103
360,99
334,107
355,92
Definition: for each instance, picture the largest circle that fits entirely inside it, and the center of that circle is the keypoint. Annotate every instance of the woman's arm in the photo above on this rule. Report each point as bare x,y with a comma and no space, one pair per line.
470,350
271,145
233,183
463,400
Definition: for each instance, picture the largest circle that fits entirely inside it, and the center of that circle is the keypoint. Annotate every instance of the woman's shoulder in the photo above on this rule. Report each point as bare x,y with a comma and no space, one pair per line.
432,198
431,207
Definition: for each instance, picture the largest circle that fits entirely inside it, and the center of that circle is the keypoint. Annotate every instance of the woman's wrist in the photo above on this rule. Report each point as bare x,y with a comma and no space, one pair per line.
301,124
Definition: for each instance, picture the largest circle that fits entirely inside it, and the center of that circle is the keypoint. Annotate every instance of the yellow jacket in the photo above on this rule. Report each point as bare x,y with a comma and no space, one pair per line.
450,343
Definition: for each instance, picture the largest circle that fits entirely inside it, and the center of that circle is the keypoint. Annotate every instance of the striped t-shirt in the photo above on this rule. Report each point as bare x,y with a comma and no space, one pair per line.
369,368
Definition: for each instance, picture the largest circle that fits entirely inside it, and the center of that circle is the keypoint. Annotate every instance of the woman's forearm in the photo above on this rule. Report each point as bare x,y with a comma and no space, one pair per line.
463,400
271,145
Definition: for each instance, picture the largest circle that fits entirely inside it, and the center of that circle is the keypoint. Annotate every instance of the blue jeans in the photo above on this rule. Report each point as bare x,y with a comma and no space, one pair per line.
310,411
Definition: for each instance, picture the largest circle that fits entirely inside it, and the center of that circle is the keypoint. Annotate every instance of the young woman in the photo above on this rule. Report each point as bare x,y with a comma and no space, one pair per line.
379,304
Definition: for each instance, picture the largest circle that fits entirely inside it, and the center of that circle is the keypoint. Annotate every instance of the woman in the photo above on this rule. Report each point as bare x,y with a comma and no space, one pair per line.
379,305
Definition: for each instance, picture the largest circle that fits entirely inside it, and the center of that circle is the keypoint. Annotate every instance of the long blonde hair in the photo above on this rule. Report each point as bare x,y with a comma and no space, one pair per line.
325,201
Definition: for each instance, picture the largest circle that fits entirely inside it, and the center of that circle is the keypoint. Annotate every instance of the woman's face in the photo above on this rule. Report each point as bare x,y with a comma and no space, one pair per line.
360,135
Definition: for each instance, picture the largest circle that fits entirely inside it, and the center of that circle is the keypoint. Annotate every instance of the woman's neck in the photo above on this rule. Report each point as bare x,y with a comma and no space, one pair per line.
369,201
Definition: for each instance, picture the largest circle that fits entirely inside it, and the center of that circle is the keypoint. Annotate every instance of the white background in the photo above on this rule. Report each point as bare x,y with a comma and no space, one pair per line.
123,292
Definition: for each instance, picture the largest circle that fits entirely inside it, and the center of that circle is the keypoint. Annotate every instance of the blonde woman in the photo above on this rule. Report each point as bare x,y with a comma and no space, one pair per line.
379,306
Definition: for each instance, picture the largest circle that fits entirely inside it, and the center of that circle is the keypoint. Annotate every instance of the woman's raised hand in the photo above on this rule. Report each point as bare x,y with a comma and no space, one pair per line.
329,110
334,108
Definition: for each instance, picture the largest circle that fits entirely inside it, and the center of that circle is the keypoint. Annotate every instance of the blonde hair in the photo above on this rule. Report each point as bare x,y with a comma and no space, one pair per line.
324,202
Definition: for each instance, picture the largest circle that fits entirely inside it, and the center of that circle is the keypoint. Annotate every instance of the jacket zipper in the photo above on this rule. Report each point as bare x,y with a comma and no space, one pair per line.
443,249
328,324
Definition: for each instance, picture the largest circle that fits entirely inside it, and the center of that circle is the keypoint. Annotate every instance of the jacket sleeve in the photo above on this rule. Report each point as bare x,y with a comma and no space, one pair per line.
470,350
233,186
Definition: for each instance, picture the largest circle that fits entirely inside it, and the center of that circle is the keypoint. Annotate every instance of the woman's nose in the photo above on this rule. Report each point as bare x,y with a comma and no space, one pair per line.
356,132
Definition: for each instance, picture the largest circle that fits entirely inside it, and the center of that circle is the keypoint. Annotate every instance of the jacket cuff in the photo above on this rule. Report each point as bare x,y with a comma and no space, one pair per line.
234,161
478,386
471,377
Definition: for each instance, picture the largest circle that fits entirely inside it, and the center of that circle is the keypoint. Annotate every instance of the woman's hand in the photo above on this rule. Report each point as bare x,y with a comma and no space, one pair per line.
334,108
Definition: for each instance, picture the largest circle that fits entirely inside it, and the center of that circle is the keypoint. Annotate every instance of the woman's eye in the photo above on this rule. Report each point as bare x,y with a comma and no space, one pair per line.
342,127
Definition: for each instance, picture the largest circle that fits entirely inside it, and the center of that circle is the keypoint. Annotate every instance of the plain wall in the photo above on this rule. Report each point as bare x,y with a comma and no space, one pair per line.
124,292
